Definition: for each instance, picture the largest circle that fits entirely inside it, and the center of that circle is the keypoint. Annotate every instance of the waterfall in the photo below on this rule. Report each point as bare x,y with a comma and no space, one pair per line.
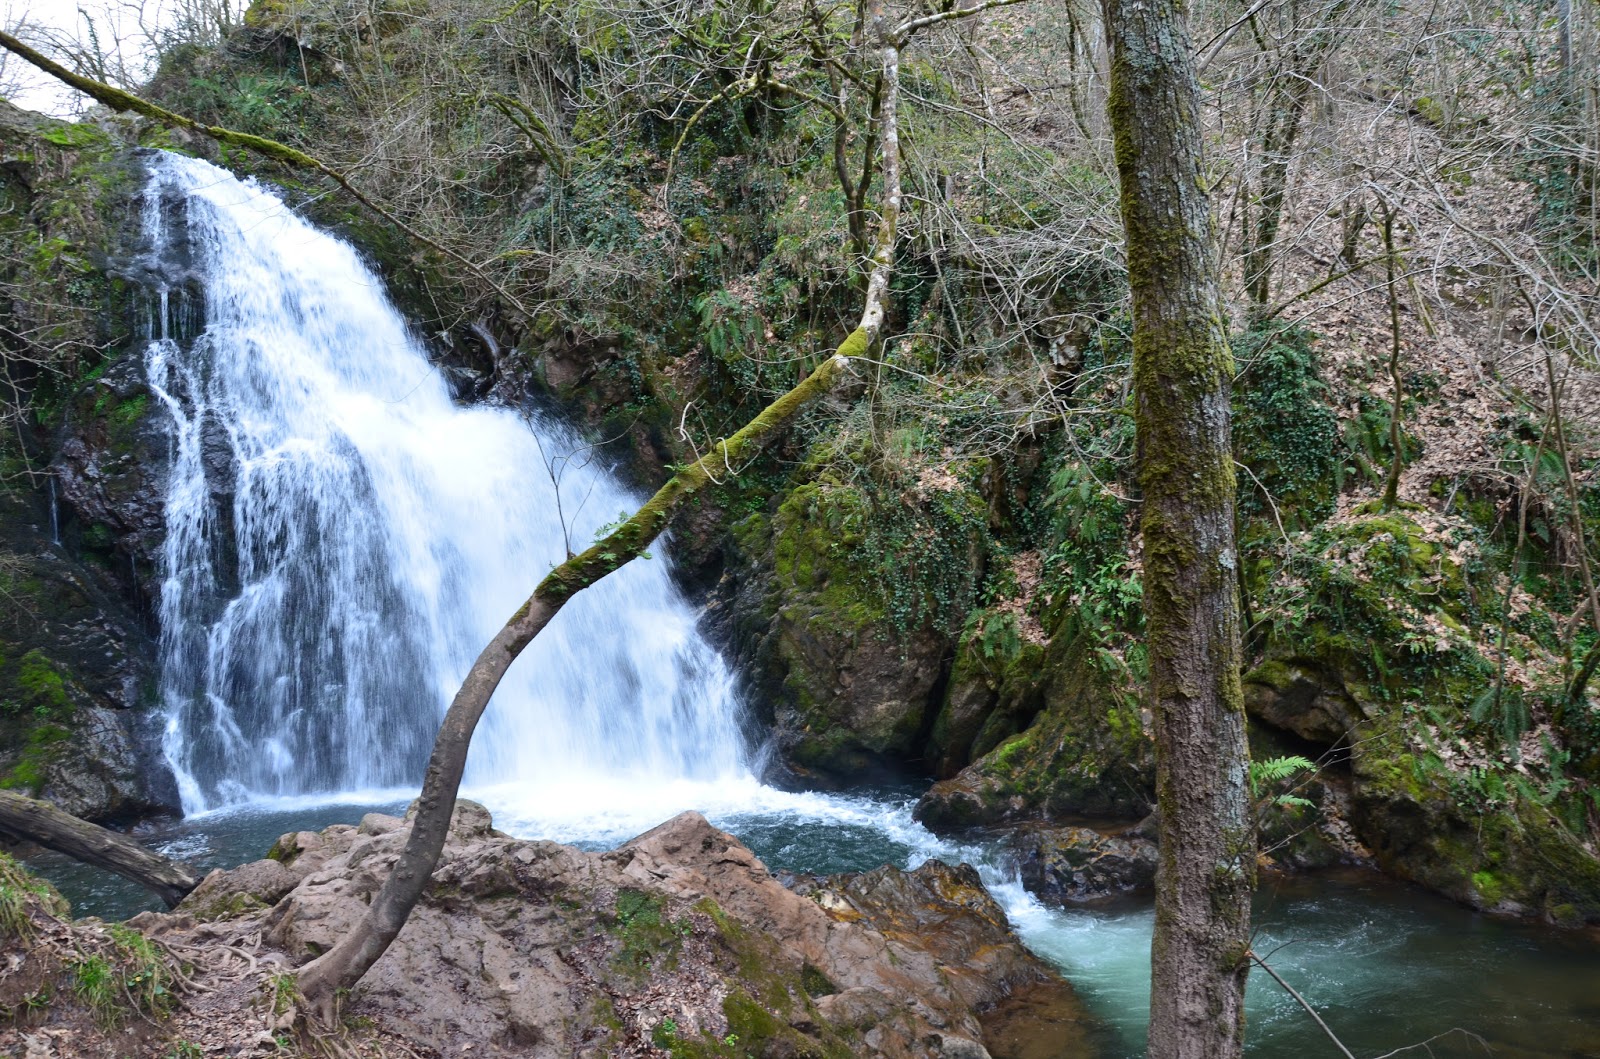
342,539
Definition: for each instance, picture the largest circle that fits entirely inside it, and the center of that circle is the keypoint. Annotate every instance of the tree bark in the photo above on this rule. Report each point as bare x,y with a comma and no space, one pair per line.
1182,370
1397,436
36,821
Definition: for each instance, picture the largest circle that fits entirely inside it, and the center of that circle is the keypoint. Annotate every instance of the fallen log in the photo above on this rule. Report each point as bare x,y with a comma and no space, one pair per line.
32,820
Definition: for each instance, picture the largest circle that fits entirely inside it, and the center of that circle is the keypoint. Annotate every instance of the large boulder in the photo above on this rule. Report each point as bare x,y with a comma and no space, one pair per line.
1085,753
1499,851
678,942
1070,865
851,658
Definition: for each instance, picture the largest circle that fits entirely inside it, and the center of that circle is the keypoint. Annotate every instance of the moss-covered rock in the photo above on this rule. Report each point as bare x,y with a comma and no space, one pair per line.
1458,832
855,641
1298,696
76,672
75,656
1085,753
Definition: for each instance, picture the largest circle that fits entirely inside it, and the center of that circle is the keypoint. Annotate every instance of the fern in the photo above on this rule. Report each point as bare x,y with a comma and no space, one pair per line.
1276,770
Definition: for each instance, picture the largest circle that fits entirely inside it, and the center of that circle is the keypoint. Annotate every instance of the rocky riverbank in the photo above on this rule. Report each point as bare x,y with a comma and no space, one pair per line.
678,943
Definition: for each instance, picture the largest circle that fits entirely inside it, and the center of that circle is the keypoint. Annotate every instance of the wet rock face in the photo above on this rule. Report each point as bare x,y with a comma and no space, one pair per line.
850,694
111,471
76,673
680,941
1073,864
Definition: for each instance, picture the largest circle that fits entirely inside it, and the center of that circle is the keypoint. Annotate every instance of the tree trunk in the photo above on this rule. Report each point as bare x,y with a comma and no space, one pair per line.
1182,370
1397,436
35,821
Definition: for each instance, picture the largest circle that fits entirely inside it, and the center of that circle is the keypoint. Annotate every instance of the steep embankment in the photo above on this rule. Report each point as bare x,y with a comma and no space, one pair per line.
82,460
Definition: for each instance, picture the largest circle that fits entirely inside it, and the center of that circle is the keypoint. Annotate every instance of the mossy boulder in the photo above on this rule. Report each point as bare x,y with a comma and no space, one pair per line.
1087,751
992,693
76,671
855,669
1455,832
1301,697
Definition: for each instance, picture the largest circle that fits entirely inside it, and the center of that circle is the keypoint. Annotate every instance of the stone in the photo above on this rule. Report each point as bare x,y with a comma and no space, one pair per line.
530,948
1302,698
1073,864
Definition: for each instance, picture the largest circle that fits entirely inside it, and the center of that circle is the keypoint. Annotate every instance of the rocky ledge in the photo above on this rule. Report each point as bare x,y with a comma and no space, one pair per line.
679,943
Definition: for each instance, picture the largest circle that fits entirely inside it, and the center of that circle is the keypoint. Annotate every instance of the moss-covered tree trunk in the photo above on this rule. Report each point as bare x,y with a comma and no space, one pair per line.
1182,372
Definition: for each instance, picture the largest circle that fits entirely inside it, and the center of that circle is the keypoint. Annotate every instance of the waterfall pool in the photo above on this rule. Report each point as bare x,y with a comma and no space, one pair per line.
343,536
1385,964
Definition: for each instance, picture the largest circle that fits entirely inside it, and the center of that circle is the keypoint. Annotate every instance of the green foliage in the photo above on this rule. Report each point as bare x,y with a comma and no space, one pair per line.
665,1033
40,689
1502,711
19,891
285,992
1272,772
131,978
95,983
996,635
1284,430
1089,572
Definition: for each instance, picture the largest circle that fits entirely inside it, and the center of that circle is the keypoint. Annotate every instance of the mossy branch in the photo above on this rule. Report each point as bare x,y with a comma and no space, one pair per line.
633,536
534,127
124,102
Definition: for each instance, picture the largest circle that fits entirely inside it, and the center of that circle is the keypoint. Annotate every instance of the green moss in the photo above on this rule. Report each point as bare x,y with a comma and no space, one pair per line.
41,687
20,893
649,942
41,747
1490,888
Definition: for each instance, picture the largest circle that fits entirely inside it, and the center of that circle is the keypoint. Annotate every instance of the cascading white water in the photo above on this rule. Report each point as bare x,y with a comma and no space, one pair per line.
342,539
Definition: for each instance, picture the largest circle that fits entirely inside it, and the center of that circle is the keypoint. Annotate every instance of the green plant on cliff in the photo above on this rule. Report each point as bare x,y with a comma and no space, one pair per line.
40,689
1284,430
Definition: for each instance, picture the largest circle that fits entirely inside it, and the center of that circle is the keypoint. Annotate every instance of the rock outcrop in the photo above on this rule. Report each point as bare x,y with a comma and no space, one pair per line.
678,943
854,664
1084,753
76,670
1070,865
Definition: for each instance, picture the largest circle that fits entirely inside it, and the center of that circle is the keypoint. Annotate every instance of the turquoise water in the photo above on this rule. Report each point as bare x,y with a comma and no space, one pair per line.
1386,965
